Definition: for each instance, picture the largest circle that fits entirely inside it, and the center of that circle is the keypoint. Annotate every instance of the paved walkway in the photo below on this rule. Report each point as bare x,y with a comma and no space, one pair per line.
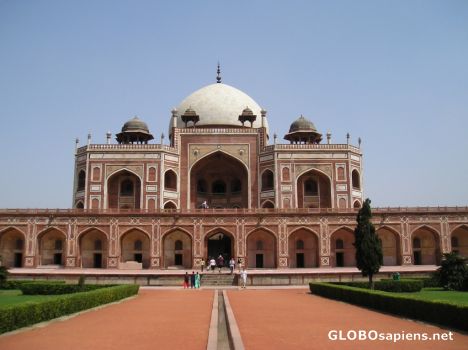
166,319
294,319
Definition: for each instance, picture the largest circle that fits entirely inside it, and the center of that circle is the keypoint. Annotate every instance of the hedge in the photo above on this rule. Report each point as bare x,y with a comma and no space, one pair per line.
47,288
15,284
28,313
389,285
438,312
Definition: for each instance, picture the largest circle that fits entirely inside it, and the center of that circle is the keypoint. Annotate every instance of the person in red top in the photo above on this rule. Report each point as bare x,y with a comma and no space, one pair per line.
186,280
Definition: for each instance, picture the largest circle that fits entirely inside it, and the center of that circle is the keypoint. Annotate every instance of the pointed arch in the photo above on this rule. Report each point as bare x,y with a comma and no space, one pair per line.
459,240
15,228
12,247
93,248
303,246
50,228
172,254
170,180
342,248
261,248
343,227
135,229
176,228
391,245
314,189
268,180
132,252
170,205
268,204
111,194
51,246
427,251
92,228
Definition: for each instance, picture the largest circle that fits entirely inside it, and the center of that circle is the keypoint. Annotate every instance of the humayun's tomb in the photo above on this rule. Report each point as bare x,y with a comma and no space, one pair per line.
220,184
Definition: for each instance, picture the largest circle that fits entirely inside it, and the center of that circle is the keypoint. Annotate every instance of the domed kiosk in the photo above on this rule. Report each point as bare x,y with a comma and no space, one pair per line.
134,131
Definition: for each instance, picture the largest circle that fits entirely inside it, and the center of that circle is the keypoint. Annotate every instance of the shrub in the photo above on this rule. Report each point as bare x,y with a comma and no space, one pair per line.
439,312
47,288
14,284
22,315
388,285
3,275
453,272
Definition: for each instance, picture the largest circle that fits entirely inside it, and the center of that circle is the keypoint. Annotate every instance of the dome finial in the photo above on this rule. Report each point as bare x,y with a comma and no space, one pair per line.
218,77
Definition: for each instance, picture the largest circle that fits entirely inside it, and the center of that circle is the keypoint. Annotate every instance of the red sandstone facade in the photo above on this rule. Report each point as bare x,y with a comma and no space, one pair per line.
140,205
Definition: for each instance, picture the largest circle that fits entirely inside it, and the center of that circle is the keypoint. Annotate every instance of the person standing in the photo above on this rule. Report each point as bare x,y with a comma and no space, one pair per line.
244,278
202,264
186,280
220,262
197,281
232,265
192,280
239,264
212,264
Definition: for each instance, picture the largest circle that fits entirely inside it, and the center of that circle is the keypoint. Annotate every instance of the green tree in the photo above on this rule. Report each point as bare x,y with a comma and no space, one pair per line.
3,273
369,257
453,272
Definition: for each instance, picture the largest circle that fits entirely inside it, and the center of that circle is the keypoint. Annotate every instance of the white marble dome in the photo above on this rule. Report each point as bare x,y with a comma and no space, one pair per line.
219,105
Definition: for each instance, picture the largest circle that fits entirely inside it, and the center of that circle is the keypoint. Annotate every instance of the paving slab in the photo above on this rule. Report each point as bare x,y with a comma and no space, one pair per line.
155,319
295,319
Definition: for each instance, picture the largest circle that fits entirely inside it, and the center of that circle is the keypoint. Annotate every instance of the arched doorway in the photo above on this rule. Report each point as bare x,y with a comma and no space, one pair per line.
220,180
12,246
343,252
177,247
93,249
135,246
124,191
426,248
219,242
390,246
303,249
52,247
261,249
313,190
459,240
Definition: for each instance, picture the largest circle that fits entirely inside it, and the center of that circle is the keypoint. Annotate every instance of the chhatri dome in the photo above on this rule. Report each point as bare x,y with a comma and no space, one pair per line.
219,105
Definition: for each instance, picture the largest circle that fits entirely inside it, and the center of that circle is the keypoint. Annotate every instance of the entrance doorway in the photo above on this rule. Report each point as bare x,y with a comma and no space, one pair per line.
178,259
300,260
220,244
97,263
259,261
18,260
339,259
417,258
58,259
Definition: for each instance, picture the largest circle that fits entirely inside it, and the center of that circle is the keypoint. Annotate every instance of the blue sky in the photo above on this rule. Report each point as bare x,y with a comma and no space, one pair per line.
394,73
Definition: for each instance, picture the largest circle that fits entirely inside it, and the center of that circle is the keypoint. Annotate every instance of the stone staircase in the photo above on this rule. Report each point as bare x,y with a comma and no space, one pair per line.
218,279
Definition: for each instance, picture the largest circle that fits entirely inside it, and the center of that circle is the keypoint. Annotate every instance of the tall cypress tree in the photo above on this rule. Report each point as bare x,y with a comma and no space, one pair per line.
369,257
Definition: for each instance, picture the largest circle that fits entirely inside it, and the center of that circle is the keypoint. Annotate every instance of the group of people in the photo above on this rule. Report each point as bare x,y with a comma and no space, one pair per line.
219,263
192,281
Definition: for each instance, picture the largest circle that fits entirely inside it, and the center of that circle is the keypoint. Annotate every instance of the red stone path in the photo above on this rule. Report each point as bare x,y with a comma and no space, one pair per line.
162,319
295,319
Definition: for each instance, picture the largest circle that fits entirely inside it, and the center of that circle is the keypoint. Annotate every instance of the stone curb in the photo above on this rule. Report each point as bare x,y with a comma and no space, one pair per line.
213,332
233,329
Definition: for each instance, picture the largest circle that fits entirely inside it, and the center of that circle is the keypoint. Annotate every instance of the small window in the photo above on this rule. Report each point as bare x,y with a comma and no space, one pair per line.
454,241
126,188
267,180
96,173
152,174
341,173
97,244
170,180
58,244
416,243
310,187
81,180
339,244
236,186
19,244
79,205
355,179
178,245
259,245
286,176
201,186
218,187
138,245
300,244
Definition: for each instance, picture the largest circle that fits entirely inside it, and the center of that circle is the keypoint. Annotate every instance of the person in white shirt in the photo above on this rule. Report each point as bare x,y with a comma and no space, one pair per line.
212,264
244,278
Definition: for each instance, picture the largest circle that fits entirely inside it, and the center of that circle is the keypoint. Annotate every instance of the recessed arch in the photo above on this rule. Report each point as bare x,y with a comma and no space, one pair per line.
92,228
268,180
170,205
180,254
313,189
345,254
79,205
12,247
268,204
93,247
130,252
170,180
357,204
81,182
51,246
118,192
221,180
303,246
391,245
219,241
459,240
427,251
266,256
356,179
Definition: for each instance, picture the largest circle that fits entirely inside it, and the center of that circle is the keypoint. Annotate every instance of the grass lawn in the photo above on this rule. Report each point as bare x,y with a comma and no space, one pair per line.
460,298
14,297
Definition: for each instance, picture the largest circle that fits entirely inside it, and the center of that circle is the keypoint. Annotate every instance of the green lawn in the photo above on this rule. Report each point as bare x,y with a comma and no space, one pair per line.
14,297
460,298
